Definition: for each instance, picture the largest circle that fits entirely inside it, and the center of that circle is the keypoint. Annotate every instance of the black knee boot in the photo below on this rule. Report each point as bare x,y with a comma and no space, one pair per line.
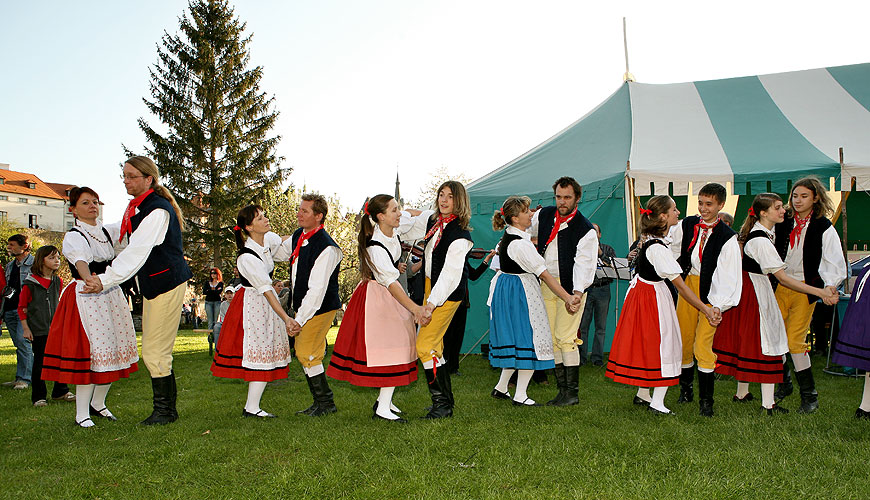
687,379
322,394
559,371
164,401
807,388
705,393
439,391
572,386
784,389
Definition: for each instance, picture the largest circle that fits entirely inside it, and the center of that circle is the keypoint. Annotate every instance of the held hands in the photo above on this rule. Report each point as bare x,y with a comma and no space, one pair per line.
573,303
423,314
490,255
713,314
92,284
830,296
293,328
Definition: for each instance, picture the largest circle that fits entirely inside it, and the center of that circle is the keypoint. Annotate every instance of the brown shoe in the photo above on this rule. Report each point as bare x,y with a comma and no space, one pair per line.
66,397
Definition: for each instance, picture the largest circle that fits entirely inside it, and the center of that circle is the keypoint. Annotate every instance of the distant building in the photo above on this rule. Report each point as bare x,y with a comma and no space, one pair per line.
27,201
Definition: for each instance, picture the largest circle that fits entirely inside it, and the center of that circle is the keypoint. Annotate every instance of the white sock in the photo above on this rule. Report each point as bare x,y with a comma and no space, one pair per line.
571,358
523,379
255,392
502,385
557,356
705,370
742,389
658,399
689,365
767,395
313,371
83,400
865,401
801,361
98,400
385,403
643,393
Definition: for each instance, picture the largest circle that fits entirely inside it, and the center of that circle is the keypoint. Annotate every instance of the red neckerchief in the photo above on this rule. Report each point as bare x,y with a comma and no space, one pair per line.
126,225
705,227
559,221
439,226
302,239
799,224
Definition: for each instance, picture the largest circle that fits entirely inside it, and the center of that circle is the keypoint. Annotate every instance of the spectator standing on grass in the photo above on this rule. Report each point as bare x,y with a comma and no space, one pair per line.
597,305
212,289
16,272
222,313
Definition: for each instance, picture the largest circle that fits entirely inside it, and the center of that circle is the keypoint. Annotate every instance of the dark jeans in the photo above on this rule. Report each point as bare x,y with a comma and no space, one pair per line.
597,304
38,388
453,338
23,349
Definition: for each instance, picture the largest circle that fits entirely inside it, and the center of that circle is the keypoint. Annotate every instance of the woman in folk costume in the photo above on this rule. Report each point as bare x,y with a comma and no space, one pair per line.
852,347
519,331
254,341
647,348
375,344
91,342
810,247
751,341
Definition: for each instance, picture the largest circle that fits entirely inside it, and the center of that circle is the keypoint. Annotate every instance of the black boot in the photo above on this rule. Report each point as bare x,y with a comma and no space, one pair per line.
784,389
572,386
323,402
561,376
807,388
442,405
311,389
687,379
164,401
705,393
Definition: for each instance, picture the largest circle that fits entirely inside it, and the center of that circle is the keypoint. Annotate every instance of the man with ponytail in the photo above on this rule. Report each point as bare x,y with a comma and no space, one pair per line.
153,258
314,289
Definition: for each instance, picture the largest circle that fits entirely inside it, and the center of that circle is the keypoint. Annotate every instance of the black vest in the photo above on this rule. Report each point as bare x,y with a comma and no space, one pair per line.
643,266
812,257
375,243
165,267
43,303
307,256
567,242
242,278
719,235
751,265
94,267
452,232
508,265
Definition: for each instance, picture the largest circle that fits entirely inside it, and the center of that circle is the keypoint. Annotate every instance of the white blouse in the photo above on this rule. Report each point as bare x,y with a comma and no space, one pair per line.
524,253
92,246
832,270
585,257
663,261
761,250
255,270
385,273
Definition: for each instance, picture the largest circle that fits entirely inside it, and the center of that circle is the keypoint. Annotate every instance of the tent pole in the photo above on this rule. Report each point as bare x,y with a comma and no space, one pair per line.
843,200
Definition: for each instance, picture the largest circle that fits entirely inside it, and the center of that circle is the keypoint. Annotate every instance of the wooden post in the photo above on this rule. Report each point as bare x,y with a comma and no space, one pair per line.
843,200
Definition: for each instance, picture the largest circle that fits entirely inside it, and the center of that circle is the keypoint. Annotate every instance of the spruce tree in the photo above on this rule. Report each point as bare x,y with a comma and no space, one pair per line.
217,153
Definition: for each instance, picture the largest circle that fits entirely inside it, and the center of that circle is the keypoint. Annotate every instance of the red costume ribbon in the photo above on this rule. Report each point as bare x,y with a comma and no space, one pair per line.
799,224
645,211
752,212
559,221
366,208
236,228
702,226
439,226
434,367
302,239
126,225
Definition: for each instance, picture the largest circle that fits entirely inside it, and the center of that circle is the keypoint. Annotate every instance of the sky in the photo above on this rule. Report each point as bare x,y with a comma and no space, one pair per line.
369,88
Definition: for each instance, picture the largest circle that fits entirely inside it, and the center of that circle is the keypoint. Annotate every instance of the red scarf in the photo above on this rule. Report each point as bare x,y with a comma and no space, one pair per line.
706,228
559,221
439,226
302,239
799,224
126,225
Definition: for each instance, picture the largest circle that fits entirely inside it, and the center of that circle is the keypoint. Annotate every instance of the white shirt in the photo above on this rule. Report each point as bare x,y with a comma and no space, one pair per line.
383,270
92,246
832,269
318,280
585,257
255,270
524,253
726,285
139,243
761,250
663,261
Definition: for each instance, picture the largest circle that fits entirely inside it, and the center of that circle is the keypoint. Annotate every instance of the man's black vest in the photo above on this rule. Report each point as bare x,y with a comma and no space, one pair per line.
643,266
307,256
452,232
165,267
812,258
508,265
717,238
43,303
567,242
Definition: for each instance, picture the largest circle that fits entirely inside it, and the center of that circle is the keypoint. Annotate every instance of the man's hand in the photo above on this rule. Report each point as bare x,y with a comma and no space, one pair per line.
92,284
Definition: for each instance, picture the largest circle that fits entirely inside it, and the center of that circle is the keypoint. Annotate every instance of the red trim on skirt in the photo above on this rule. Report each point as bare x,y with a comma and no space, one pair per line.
68,351
228,352
737,343
348,361
635,357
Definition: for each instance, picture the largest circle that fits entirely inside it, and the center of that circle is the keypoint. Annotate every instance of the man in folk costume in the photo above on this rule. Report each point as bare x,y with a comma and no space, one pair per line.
569,245
153,257
314,289
710,257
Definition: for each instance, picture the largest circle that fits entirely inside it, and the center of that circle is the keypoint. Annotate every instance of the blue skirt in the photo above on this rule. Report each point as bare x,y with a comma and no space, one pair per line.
511,339
852,347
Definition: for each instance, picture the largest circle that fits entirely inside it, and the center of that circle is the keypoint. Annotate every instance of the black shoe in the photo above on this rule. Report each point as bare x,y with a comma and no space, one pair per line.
705,394
500,395
807,388
399,420
99,413
561,375
687,379
322,394
597,363
859,413
525,402
572,387
392,408
658,412
785,388
745,399
257,414
309,410
640,401
775,409
164,401
438,384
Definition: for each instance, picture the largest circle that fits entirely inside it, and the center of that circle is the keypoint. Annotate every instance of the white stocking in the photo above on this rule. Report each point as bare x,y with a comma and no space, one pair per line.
83,400
255,392
742,389
643,393
385,403
801,361
98,400
767,395
865,402
523,378
502,385
658,399
571,358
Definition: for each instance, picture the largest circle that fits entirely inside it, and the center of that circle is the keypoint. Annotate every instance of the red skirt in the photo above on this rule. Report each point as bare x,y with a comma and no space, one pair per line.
348,361
635,355
229,349
737,343
68,351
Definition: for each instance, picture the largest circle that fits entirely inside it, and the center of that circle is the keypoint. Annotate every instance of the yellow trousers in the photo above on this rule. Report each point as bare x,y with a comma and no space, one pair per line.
797,312
311,341
430,338
697,334
563,325
160,317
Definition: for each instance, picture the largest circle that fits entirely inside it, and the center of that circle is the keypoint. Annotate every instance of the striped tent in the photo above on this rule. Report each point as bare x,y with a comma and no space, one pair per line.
753,134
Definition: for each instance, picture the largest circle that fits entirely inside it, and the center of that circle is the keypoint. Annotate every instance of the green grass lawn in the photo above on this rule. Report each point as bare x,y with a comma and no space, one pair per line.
603,448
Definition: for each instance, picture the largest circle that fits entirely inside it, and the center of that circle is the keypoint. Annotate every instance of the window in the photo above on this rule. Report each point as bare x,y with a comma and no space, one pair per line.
32,222
3,197
22,200
31,185
2,180
3,216
69,225
41,202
